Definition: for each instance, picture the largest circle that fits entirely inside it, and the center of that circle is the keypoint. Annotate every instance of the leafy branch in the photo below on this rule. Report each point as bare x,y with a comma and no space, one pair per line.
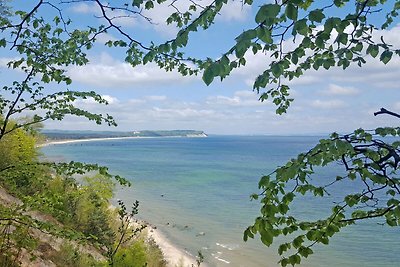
366,158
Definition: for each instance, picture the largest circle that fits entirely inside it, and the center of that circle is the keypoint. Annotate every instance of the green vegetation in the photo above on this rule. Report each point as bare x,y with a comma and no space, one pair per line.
336,33
38,202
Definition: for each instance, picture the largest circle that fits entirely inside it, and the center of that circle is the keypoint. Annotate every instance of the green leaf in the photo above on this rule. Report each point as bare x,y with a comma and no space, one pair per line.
312,235
149,5
349,55
291,11
282,248
276,70
35,23
305,251
3,42
320,42
295,58
247,234
264,35
391,221
342,38
358,47
284,262
331,230
316,15
330,24
301,27
182,39
267,11
386,56
209,74
294,259
324,240
298,241
45,78
247,35
266,238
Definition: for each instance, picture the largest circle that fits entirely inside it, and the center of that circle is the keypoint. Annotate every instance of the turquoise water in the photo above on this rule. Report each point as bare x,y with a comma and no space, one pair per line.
188,187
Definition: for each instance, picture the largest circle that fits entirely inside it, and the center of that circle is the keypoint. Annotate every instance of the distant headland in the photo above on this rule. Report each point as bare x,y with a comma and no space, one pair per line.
74,135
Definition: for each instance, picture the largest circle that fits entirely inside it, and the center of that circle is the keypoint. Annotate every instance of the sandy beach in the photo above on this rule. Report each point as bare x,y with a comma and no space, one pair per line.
174,256
70,141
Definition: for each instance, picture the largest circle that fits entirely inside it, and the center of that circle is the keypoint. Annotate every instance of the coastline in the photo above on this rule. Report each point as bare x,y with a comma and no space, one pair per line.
70,141
174,256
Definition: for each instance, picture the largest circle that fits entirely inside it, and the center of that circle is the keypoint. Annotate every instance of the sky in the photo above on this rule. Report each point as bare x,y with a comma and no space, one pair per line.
147,98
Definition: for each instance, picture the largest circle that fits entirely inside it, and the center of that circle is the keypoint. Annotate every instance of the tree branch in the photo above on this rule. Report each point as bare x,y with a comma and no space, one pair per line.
385,111
369,216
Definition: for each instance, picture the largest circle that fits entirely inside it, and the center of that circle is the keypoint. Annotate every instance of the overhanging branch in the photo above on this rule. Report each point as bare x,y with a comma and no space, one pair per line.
385,111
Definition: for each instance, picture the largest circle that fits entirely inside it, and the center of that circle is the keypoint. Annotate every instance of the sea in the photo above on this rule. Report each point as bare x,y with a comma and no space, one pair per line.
196,191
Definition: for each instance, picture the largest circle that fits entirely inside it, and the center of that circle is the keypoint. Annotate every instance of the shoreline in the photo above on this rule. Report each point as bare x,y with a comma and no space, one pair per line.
174,256
71,141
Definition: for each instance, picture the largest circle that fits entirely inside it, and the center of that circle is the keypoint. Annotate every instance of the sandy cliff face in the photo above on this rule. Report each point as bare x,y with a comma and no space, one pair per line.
48,246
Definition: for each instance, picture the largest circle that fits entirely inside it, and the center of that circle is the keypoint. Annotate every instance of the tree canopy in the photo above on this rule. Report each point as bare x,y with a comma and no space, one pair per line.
298,35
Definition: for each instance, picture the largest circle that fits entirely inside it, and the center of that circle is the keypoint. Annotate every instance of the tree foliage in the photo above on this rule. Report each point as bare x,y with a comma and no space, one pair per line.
320,39
370,163
321,34
45,199
17,148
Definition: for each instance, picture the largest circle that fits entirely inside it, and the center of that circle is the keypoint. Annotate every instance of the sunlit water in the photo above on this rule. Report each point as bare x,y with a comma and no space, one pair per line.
196,191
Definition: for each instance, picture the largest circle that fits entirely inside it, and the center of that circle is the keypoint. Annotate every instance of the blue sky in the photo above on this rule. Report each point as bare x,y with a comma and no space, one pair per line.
146,97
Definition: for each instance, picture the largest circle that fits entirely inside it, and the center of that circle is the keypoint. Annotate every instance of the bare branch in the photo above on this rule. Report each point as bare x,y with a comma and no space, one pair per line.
385,111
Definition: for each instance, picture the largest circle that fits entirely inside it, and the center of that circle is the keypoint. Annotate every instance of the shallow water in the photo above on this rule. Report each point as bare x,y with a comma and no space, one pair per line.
196,191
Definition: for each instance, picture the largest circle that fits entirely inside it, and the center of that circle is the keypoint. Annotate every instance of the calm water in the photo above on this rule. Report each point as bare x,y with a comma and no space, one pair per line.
196,191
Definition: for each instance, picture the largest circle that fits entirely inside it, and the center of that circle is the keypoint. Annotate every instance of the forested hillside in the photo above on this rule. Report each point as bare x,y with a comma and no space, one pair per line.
52,215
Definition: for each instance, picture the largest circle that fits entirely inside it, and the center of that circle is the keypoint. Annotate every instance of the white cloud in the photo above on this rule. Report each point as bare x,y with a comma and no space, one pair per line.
239,99
390,36
334,89
119,17
396,106
104,38
219,114
303,80
110,99
156,97
224,100
83,8
374,73
90,102
135,102
234,11
176,114
108,72
328,104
